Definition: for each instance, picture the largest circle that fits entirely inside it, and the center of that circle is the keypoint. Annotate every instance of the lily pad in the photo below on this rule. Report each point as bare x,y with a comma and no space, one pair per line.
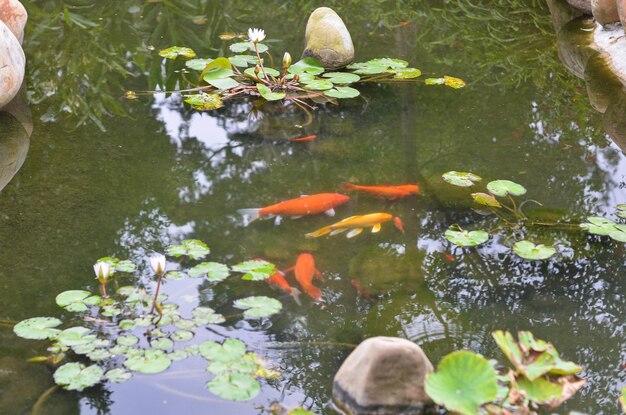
198,64
466,238
377,66
193,248
302,78
150,361
177,51
268,94
449,81
318,85
269,71
206,315
246,366
77,300
230,350
342,92
204,101
182,335
540,390
622,399
75,336
99,355
407,73
234,386
504,187
162,343
185,324
460,178
257,307
214,271
75,376
462,383
621,210
128,340
486,199
37,328
174,275
255,270
177,355
118,375
342,77
306,65
247,47
119,265
529,250
243,60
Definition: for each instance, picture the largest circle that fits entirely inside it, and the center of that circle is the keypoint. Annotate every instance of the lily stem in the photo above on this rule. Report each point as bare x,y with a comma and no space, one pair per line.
156,294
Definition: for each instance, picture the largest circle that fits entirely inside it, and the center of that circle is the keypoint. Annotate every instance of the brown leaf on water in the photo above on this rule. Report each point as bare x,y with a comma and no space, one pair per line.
571,385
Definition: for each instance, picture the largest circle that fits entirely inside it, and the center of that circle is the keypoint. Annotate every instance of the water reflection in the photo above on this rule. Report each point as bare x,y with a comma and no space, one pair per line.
16,128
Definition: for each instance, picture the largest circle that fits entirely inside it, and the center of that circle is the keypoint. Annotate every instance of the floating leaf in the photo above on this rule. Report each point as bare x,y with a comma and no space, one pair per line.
150,361
258,307
342,77
268,94
342,92
269,71
128,340
378,66
110,311
99,354
75,376
463,382
204,101
302,78
407,73
234,386
185,324
37,328
223,83
198,64
118,375
247,46
621,210
177,355
182,335
230,350
540,390
206,315
460,178
118,265
504,187
218,70
622,399
243,60
176,51
300,411
391,63
214,271
255,270
75,336
318,85
603,226
466,238
450,81
174,275
307,65
245,366
191,247
77,300
126,324
162,343
529,250
486,199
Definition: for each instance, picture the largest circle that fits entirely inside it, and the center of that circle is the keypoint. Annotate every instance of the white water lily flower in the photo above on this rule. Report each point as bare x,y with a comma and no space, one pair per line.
256,35
157,262
102,270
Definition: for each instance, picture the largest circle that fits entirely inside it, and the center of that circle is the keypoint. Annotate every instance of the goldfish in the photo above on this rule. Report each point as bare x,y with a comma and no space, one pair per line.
398,224
278,280
303,139
355,223
296,208
305,271
385,192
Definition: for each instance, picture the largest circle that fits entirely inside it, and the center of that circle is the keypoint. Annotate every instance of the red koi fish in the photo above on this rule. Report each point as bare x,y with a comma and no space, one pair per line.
305,205
303,139
359,289
305,271
385,192
398,224
278,280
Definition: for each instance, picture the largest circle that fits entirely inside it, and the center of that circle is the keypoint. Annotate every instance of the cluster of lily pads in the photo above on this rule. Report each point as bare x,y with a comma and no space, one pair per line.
468,384
112,337
501,200
302,83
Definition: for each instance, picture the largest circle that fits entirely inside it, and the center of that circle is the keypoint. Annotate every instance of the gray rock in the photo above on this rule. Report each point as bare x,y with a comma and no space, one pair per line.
582,5
14,143
604,11
383,375
12,65
328,39
13,14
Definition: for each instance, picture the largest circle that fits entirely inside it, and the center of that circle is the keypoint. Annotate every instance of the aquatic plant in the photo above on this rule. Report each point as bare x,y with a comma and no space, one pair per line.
468,384
136,341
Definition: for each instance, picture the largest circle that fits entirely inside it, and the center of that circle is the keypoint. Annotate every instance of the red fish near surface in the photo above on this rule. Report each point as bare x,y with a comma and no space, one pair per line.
278,280
303,139
305,205
386,192
305,271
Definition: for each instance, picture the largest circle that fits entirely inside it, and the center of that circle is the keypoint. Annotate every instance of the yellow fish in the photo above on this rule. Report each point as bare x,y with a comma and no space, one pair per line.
355,223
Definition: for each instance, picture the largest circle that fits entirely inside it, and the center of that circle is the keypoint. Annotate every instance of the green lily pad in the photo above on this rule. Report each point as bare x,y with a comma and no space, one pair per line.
177,51
342,77
198,64
342,92
268,94
126,324
98,355
185,324
460,178
452,82
128,340
182,335
204,101
463,382
193,248
118,265
377,66
302,78
223,83
391,63
300,411
150,361
407,73
485,199
218,70
243,60
234,386
504,187
269,71
177,355
307,65
75,376
529,250
214,271
174,275
230,350
205,315
37,328
541,390
118,375
622,399
162,343
75,336
110,311
466,238
247,47
245,366
318,85
621,210
257,307
255,270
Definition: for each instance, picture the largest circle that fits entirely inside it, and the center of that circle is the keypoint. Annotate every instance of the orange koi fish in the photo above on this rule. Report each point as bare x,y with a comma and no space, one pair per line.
385,192
305,205
305,271
398,224
303,139
355,223
278,280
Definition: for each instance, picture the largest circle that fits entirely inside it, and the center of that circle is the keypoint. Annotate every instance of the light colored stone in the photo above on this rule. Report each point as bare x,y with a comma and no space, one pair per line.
611,41
604,11
383,375
582,5
621,11
12,65
14,144
14,15
328,39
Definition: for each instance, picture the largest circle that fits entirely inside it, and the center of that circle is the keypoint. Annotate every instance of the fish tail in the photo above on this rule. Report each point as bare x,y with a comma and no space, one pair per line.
295,293
320,232
348,186
251,214
313,292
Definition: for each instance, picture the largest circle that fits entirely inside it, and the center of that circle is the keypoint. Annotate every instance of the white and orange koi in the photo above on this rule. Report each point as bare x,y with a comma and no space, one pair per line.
355,224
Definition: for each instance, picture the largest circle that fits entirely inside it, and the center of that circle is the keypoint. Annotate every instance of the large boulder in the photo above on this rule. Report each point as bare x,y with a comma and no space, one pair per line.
14,16
383,375
621,11
328,39
12,65
582,5
604,11
14,143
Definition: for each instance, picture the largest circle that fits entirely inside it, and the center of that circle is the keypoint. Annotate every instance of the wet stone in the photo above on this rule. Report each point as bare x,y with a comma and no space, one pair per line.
582,5
12,65
604,11
14,16
328,39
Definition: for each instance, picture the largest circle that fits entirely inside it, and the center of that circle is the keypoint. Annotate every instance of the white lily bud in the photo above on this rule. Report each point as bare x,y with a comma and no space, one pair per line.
256,35
157,262
102,270
286,60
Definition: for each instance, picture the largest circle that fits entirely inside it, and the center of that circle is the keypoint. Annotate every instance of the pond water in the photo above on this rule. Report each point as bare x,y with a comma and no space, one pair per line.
105,176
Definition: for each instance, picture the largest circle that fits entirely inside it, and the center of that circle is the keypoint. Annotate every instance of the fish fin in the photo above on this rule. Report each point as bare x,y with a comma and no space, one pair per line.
251,214
320,232
285,271
347,186
295,293
304,195
278,220
376,228
337,231
318,275
354,232
313,292
296,217
330,212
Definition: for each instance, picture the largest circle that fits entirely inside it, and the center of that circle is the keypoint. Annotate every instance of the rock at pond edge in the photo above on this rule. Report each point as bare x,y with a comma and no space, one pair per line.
13,14
12,65
328,39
